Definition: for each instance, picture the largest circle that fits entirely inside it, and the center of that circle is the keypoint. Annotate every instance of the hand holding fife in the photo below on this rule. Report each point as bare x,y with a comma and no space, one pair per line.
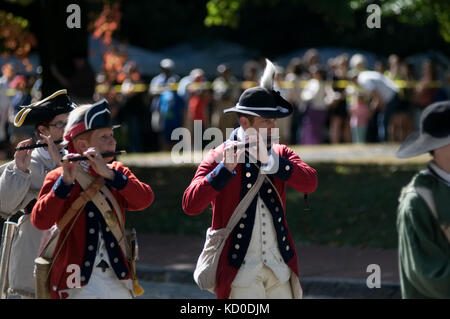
98,164
52,149
69,170
231,154
22,158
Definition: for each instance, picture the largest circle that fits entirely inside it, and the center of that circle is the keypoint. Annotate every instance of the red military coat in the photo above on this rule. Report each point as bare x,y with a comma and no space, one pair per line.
55,199
214,184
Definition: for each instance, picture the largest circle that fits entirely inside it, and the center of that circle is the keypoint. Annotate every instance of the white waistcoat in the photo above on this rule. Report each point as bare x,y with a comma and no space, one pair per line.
262,250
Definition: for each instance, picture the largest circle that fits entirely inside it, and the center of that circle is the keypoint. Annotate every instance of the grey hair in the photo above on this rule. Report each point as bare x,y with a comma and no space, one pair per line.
268,76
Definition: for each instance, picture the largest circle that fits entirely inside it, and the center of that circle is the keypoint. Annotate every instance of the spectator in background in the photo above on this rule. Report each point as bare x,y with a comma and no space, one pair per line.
394,68
359,117
358,62
8,73
295,73
182,89
406,72
251,71
379,66
339,118
427,90
311,58
401,123
200,97
383,97
157,85
36,89
315,119
172,113
280,85
133,108
21,97
226,93
167,76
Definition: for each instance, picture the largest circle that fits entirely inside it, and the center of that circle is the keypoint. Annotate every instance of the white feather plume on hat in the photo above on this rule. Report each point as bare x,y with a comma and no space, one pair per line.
263,100
268,76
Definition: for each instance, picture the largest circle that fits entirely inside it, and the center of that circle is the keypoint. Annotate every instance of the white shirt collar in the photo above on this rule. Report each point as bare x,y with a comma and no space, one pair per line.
439,171
240,134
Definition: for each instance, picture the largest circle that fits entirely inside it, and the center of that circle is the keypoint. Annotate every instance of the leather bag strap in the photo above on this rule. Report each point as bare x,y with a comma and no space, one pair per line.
113,216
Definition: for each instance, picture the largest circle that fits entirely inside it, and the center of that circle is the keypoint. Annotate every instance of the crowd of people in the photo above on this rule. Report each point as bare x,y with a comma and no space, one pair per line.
337,101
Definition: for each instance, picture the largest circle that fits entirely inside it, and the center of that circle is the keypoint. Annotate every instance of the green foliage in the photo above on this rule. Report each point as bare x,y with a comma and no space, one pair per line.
415,12
9,18
354,205
222,12
227,12
15,37
23,3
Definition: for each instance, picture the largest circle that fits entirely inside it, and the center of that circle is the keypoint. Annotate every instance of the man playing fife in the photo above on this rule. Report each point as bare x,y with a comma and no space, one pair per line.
94,238
259,258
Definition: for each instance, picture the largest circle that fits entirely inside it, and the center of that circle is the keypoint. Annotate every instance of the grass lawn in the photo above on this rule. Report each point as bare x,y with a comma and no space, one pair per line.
354,205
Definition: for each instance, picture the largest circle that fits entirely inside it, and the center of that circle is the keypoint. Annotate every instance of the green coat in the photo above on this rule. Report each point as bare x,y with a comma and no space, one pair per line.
424,251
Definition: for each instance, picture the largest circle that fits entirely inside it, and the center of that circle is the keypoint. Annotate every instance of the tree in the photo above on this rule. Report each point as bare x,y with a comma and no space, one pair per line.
227,12
45,25
15,37
414,12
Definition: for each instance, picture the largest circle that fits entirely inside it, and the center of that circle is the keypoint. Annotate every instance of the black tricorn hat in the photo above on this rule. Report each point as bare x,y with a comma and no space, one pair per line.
88,118
434,131
44,110
263,101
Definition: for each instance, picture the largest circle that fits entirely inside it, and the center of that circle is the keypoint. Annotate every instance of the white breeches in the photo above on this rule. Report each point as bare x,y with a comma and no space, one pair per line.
101,285
265,286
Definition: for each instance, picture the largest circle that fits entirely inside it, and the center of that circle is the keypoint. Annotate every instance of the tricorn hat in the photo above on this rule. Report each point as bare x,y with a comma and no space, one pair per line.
85,119
44,110
434,131
263,100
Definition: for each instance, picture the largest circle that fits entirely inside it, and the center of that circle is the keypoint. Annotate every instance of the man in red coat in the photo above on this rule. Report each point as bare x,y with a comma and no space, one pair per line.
259,258
91,244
